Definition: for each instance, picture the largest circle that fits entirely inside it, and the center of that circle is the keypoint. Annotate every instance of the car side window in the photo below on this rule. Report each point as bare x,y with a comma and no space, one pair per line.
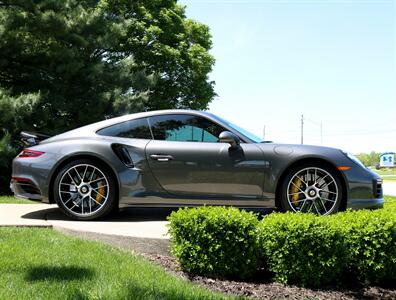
184,128
134,129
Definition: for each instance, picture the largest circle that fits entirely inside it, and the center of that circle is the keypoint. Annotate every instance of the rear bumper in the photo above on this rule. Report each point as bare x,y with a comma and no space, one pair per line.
25,188
30,177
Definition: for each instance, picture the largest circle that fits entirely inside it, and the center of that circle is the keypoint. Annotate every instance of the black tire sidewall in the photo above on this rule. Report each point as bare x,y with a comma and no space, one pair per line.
284,203
109,206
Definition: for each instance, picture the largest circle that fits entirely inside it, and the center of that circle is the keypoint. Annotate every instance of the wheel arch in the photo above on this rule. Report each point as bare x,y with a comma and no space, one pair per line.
78,156
312,160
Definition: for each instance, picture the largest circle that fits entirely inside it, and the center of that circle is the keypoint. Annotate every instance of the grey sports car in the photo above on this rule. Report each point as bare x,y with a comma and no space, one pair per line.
186,158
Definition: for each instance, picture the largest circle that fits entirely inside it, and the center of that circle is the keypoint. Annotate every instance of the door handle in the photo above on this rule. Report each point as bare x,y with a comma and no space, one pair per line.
161,157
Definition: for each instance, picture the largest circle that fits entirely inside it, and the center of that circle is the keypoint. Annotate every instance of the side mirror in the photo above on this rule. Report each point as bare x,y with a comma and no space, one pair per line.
229,137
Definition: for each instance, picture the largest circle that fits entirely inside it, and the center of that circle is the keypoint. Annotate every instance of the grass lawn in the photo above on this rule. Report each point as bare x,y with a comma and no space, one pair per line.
388,174
13,200
45,264
390,179
387,171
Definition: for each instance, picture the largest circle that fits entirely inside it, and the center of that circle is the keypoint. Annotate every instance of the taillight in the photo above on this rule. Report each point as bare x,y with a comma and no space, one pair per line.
20,179
30,153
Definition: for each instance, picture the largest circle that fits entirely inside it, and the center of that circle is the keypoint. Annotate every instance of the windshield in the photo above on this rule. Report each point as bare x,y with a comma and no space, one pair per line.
249,135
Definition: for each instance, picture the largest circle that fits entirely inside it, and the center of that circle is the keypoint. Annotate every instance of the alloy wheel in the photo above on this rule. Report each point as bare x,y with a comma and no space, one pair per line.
312,190
83,190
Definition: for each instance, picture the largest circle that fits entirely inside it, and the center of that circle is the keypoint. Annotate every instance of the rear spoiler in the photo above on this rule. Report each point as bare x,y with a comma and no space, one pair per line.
30,139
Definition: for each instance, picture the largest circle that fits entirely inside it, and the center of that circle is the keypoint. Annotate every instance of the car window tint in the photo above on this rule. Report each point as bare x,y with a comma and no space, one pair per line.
136,129
184,128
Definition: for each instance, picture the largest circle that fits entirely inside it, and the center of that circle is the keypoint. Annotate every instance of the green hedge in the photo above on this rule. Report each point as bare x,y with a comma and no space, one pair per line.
294,248
372,239
215,241
315,251
301,248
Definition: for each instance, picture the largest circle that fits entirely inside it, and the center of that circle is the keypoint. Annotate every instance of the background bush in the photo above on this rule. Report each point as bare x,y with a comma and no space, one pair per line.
295,248
215,241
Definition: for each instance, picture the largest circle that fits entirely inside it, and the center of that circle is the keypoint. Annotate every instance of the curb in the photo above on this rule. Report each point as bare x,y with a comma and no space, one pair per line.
135,244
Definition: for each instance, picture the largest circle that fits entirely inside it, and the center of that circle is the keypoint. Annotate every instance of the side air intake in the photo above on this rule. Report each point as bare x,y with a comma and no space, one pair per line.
123,154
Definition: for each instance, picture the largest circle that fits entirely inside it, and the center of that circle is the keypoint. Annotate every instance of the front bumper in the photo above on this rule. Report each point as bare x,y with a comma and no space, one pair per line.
369,196
366,203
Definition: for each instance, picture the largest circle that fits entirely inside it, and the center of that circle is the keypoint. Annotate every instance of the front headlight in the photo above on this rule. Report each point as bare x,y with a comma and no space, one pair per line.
354,159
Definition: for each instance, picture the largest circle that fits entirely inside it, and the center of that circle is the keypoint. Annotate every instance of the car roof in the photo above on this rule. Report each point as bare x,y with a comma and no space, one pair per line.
90,129
146,114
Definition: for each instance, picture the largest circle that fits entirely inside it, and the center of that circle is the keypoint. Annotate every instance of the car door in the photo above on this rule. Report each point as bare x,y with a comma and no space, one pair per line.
188,161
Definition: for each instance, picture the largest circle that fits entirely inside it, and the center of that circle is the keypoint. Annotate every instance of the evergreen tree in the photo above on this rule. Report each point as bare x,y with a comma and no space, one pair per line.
64,64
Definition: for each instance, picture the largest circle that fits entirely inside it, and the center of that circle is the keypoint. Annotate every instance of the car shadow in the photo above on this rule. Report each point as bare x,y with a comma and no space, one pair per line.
124,215
40,214
133,214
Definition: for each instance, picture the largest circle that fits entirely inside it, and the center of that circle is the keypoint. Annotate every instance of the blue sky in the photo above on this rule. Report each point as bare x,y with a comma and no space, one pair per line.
331,60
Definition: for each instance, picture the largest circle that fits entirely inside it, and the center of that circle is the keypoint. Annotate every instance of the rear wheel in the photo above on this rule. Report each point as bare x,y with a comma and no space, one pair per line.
311,188
85,190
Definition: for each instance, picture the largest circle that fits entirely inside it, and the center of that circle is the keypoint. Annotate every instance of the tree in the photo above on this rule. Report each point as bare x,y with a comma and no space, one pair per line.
369,159
102,58
84,60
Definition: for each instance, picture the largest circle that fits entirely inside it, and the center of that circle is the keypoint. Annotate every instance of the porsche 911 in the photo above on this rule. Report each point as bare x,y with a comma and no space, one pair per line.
174,158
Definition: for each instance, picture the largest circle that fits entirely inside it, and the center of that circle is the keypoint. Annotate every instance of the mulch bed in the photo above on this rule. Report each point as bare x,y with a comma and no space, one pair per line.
273,290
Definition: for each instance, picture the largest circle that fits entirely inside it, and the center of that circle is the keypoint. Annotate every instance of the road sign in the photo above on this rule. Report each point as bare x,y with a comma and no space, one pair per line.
387,159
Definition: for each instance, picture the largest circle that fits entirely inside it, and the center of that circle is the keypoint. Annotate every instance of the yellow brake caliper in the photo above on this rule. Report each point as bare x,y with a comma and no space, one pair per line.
295,189
101,191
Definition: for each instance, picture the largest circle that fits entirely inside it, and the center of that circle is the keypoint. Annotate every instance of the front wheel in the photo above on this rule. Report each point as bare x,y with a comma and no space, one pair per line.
312,188
84,190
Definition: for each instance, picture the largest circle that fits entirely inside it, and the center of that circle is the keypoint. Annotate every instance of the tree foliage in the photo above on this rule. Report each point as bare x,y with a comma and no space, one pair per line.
83,60
101,58
369,159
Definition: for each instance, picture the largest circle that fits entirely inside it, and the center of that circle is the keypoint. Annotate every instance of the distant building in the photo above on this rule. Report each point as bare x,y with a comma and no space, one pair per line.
387,160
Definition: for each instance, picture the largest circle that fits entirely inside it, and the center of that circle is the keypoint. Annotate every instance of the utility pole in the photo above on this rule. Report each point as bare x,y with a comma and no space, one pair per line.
264,133
321,133
302,129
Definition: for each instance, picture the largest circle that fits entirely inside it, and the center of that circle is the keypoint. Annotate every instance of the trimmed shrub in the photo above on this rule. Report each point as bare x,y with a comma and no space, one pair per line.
315,251
296,248
302,248
215,241
370,240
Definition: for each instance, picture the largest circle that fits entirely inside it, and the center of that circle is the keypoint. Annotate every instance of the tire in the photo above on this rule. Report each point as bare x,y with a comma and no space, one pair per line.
84,189
311,187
